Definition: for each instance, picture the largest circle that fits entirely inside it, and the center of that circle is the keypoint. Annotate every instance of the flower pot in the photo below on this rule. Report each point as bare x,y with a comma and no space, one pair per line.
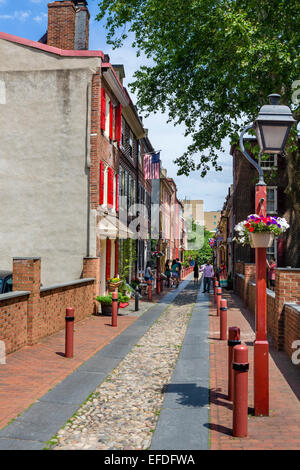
107,309
261,239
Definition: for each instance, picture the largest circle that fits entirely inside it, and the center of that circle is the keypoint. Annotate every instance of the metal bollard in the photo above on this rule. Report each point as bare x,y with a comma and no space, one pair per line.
240,368
223,319
150,290
157,285
219,296
136,299
233,340
69,346
114,315
215,291
161,284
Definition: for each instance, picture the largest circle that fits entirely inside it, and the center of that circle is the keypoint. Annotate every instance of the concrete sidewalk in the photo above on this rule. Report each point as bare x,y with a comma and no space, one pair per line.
184,419
46,416
281,430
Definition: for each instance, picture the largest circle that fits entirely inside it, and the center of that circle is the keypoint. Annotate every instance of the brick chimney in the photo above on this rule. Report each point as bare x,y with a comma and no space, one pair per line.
68,24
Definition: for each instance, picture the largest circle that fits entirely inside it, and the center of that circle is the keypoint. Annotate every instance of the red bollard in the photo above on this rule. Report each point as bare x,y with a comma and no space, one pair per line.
114,315
233,340
150,290
215,291
69,346
240,368
219,296
223,319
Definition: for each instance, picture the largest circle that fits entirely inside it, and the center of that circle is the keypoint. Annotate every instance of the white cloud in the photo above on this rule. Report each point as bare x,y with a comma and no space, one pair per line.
17,15
40,18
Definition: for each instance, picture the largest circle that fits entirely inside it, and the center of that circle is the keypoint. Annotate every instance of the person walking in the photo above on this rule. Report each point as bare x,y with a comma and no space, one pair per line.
208,273
196,273
168,271
179,267
272,265
175,272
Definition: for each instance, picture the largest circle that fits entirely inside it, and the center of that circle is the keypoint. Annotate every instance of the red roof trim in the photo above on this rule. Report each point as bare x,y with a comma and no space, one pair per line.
50,49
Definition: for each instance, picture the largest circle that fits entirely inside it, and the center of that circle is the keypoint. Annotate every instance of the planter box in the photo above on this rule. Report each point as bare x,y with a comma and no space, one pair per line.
107,309
261,239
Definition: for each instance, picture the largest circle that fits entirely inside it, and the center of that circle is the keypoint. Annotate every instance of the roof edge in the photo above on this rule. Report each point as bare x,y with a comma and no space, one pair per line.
50,49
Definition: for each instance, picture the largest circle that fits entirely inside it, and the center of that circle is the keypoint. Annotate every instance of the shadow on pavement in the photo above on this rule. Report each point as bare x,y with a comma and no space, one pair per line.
189,394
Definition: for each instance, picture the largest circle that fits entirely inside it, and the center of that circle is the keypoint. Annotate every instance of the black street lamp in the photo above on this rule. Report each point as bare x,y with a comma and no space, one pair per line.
273,125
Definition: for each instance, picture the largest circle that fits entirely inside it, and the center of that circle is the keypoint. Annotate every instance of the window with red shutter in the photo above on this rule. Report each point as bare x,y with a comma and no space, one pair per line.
111,120
118,124
108,258
117,193
110,188
101,184
103,108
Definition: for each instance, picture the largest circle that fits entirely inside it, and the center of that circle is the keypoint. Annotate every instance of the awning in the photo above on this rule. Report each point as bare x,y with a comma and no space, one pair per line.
111,227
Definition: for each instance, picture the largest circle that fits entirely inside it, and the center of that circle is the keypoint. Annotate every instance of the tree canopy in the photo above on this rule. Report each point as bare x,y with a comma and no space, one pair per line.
212,63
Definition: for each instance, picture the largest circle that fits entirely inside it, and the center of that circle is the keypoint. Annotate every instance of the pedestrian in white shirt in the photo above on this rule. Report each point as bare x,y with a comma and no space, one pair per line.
208,273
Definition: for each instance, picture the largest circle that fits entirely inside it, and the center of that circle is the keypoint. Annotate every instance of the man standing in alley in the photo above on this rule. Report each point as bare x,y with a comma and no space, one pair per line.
208,273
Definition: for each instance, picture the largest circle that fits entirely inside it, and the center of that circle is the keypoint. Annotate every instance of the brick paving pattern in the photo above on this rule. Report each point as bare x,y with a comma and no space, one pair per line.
281,430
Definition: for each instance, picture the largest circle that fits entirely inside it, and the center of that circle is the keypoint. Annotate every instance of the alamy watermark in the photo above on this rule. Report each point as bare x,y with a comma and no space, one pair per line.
139,222
296,354
2,353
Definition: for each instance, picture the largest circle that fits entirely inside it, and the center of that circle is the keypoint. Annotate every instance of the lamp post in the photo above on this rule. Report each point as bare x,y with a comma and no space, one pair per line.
272,127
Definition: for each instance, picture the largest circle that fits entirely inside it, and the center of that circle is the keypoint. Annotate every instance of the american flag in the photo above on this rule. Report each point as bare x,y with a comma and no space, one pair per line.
152,166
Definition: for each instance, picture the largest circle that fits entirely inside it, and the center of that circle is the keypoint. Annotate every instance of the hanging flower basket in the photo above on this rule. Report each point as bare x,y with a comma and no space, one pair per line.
259,231
261,239
113,284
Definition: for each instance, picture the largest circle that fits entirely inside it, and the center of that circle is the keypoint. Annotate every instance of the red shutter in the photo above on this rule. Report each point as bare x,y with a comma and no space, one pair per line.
103,108
116,258
101,183
110,188
111,120
118,129
117,193
108,257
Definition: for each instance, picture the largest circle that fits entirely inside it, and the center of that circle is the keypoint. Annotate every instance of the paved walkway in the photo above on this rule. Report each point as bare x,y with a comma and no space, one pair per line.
184,420
31,372
281,430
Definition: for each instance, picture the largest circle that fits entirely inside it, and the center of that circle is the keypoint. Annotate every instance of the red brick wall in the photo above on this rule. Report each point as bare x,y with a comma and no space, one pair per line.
291,328
51,313
283,322
13,322
61,25
26,318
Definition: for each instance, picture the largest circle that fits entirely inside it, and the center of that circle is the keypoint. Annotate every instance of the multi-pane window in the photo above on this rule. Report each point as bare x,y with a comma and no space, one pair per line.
269,161
272,252
123,133
107,116
130,143
271,199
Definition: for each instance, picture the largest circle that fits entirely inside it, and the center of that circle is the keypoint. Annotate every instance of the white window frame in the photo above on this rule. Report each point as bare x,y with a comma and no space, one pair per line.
272,253
105,186
107,116
275,199
262,162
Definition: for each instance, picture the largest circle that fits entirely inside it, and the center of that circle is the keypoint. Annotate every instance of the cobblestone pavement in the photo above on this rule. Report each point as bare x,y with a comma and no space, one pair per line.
280,430
123,411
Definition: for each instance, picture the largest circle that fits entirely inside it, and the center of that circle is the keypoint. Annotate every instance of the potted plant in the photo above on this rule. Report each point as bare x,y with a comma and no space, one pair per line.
114,283
259,231
106,302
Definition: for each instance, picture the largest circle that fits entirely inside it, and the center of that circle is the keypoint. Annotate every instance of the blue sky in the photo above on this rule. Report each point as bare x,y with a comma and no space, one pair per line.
28,19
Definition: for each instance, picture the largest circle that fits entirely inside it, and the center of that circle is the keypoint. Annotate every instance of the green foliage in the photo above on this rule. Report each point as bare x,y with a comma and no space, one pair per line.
211,63
107,299
128,257
203,254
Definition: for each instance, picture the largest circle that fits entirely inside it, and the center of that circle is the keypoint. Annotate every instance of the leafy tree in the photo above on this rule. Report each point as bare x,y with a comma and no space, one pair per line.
204,253
213,63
